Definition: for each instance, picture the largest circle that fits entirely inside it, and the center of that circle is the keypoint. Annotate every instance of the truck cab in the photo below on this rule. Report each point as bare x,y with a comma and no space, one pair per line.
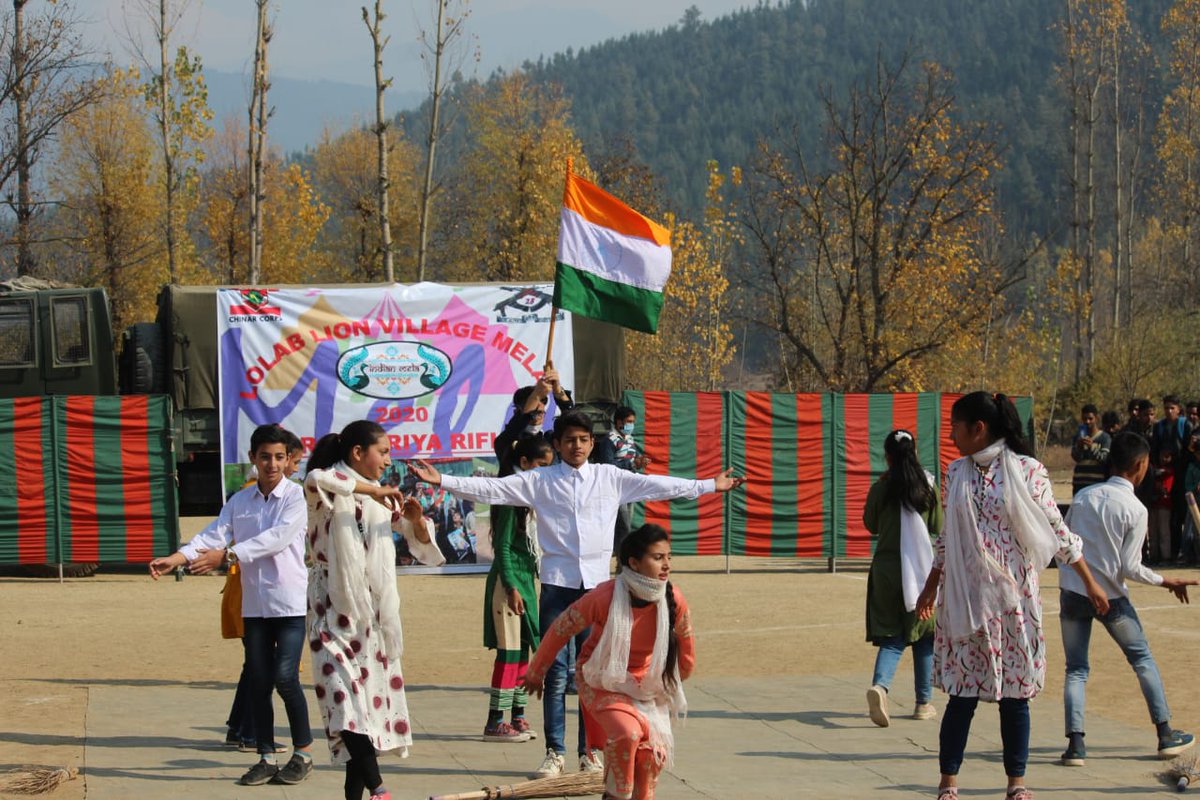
55,341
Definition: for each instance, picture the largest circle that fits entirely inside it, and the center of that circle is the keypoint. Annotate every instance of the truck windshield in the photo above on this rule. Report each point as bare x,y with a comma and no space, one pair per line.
16,332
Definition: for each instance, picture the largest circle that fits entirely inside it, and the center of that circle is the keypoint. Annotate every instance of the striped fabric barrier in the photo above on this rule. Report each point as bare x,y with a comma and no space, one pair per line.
809,460
86,479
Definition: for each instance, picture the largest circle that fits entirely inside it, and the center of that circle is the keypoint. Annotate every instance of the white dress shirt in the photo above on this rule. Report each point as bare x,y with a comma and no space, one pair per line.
268,536
1112,523
576,511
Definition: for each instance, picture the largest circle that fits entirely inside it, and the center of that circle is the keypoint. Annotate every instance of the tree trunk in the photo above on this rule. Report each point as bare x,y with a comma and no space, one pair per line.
164,96
1118,253
384,183
21,88
431,141
258,123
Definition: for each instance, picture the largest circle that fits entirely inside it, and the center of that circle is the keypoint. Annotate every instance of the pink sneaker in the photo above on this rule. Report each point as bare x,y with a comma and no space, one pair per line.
521,725
503,732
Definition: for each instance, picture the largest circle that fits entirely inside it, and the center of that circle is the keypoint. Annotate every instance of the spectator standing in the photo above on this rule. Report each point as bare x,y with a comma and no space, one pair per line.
1112,524
529,415
1171,435
1089,450
1111,422
626,455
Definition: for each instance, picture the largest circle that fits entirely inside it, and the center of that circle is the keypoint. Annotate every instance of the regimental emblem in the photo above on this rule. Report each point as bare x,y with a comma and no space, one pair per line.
255,303
524,304
394,370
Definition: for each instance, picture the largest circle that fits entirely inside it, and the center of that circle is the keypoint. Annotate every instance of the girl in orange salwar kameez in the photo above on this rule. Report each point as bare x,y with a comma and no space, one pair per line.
639,651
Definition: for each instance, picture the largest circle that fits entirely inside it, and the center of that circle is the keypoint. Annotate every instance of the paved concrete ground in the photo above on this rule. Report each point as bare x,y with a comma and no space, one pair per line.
795,737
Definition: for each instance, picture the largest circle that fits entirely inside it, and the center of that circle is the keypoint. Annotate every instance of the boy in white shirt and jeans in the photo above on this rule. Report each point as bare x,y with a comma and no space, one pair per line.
266,523
576,504
1112,523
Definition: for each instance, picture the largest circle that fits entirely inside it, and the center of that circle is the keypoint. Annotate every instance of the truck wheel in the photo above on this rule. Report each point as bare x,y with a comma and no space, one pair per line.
143,360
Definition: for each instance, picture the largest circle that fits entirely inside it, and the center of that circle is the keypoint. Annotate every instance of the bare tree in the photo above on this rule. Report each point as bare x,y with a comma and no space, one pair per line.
41,85
449,26
379,41
259,114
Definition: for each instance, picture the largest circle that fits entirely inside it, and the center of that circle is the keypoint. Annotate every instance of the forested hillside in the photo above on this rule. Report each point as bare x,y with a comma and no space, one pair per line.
705,90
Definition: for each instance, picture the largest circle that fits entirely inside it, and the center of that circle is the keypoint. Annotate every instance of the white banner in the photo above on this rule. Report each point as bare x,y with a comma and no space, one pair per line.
435,365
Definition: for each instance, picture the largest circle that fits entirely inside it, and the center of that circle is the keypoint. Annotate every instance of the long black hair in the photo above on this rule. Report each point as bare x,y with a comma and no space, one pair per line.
907,483
996,412
635,546
334,447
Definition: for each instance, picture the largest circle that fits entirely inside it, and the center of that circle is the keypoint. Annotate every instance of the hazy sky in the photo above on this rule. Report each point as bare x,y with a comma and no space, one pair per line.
326,39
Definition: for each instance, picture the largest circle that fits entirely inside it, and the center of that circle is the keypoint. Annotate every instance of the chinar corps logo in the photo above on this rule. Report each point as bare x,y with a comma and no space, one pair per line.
255,306
394,370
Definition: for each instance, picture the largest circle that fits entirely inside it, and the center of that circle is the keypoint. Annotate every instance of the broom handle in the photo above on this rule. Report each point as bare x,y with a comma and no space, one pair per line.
1195,512
478,795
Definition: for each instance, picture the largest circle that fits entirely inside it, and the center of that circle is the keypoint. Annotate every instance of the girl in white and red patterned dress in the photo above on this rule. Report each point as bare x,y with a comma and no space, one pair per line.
353,604
1001,528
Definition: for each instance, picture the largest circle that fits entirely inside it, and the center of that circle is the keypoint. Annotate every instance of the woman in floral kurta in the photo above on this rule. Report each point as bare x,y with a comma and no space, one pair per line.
353,604
1001,528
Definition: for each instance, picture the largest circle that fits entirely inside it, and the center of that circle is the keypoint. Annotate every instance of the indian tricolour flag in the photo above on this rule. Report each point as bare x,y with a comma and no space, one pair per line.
613,263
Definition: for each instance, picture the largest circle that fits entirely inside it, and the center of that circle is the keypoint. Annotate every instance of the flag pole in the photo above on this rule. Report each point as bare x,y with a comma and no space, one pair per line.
554,307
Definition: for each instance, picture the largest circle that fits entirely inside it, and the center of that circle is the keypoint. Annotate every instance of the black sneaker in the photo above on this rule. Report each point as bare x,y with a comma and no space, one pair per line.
259,774
1074,755
1174,743
294,771
232,739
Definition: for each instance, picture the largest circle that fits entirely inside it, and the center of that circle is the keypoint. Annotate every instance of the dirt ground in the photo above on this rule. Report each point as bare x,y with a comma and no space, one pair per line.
766,618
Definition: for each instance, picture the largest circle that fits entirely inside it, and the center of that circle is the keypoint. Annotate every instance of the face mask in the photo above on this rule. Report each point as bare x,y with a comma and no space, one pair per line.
627,429
533,430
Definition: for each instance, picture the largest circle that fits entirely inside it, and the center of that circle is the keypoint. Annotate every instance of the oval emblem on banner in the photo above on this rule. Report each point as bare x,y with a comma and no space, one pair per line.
393,370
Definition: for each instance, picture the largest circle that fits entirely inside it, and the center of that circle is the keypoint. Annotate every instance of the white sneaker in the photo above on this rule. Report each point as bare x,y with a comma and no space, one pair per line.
553,764
877,706
924,711
591,761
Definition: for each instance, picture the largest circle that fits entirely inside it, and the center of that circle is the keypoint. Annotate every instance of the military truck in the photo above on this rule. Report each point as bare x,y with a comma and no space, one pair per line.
57,340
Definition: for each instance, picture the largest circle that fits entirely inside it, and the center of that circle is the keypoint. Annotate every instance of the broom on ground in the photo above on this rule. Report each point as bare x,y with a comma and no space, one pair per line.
1181,772
36,780
579,784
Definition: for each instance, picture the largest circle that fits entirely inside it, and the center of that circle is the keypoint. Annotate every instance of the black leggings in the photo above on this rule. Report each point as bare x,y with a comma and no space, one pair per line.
362,770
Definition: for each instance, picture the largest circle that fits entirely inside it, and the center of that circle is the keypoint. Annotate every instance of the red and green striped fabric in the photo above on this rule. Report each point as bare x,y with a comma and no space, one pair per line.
86,479
809,460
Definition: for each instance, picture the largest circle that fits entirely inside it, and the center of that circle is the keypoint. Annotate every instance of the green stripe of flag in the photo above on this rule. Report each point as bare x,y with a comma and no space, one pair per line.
828,495
619,303
110,495
929,432
735,421
837,432
785,462
54,448
9,529
164,500
685,513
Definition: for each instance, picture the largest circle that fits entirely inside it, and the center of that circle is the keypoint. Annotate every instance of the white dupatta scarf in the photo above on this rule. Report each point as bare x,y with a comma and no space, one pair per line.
350,563
916,553
608,666
977,587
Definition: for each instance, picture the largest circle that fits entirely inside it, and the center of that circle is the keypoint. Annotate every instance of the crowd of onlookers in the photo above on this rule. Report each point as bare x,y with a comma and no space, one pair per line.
1174,468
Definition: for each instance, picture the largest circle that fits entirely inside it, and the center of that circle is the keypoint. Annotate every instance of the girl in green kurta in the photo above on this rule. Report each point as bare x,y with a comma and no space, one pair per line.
904,513
510,604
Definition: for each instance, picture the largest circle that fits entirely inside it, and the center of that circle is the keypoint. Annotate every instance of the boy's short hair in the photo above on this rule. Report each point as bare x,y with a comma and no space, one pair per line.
1089,408
572,419
1171,400
294,444
1144,404
1126,449
271,433
521,395
1109,419
622,412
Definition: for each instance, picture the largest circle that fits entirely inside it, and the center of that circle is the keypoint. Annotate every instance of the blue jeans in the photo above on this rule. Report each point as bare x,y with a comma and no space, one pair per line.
890,650
241,716
553,602
273,646
1075,615
956,726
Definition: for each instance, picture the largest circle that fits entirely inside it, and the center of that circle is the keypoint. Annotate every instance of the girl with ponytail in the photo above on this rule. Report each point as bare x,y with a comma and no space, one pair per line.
1002,527
639,651
353,606
902,511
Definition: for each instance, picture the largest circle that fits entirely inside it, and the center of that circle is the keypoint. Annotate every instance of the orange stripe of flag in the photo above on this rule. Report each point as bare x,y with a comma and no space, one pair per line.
601,208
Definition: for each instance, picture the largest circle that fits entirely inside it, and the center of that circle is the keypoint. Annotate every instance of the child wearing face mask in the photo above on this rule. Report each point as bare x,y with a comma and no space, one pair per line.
510,604
627,455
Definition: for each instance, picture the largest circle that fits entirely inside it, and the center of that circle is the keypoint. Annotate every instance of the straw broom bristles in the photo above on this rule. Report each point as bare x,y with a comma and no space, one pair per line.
1181,772
36,780
578,784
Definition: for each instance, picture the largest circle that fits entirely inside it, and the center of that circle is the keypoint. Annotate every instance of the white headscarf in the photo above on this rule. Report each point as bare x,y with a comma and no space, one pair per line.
608,666
978,587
